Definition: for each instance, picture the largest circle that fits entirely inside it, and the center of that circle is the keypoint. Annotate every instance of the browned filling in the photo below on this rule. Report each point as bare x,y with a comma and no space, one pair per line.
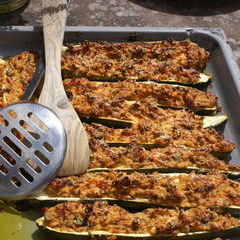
184,190
181,133
136,157
184,53
88,96
78,217
15,75
101,67
136,111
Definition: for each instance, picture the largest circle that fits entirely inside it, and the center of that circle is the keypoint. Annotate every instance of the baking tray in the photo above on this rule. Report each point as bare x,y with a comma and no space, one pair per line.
225,85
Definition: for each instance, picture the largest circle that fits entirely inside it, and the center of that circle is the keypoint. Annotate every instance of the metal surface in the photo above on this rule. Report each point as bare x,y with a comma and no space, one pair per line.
33,146
226,84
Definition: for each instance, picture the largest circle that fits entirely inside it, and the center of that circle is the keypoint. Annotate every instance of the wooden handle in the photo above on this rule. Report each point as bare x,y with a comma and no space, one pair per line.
53,94
54,20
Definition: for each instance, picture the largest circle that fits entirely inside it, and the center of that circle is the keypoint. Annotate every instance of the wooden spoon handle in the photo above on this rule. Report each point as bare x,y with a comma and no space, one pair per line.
54,20
53,94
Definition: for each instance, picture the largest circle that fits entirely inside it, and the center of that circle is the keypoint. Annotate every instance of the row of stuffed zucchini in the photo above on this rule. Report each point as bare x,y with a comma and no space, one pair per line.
141,126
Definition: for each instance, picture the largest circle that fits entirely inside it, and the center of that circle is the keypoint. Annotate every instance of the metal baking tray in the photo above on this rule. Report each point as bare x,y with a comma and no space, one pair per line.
225,85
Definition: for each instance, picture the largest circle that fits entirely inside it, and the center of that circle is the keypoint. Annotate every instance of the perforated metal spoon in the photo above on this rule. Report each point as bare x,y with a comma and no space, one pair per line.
32,148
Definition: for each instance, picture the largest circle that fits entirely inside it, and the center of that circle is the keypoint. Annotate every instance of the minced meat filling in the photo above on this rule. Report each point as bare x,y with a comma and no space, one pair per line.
15,74
101,67
182,133
184,53
78,217
183,190
135,111
89,94
135,157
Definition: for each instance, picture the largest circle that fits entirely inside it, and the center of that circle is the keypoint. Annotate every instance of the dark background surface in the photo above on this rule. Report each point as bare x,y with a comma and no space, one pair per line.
156,13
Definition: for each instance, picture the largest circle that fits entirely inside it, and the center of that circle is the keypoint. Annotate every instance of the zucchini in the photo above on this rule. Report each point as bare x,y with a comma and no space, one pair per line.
177,52
214,121
230,174
108,121
151,135
65,235
76,221
19,85
197,110
100,67
81,91
149,146
203,79
43,198
162,190
208,121
93,107
2,61
166,160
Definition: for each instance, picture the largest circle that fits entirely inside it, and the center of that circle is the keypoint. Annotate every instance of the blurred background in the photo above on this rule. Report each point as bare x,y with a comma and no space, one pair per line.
223,14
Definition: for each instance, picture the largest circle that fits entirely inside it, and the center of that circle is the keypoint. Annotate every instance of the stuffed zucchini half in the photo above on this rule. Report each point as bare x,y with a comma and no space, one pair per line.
99,68
184,53
151,136
84,93
17,73
170,62
123,112
120,113
169,159
213,190
74,220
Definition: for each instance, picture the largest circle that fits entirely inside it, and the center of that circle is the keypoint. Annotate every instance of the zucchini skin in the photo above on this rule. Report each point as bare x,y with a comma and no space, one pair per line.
232,175
113,122
42,201
149,146
102,236
203,79
208,121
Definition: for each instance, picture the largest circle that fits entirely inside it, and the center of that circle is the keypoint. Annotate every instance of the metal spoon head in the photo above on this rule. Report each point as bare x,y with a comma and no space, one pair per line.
32,148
